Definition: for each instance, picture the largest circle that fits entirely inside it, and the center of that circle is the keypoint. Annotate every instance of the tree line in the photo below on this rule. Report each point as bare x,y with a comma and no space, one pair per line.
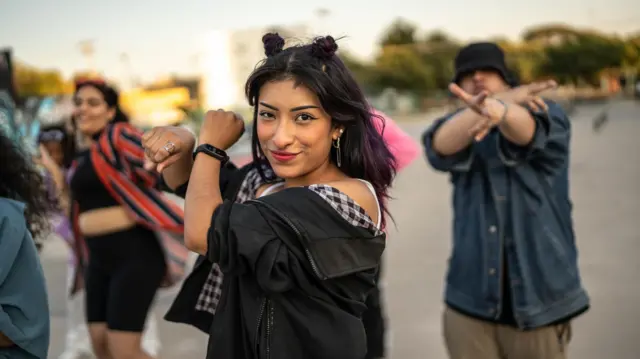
423,65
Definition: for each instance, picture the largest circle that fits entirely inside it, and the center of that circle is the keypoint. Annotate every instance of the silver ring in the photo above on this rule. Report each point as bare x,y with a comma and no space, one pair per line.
169,147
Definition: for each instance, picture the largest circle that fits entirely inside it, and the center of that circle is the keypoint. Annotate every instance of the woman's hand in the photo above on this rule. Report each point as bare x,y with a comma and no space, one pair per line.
44,159
221,129
166,145
168,150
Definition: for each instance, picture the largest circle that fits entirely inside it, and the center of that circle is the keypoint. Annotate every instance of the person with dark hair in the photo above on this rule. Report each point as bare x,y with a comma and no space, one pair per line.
24,208
127,234
513,284
57,152
296,236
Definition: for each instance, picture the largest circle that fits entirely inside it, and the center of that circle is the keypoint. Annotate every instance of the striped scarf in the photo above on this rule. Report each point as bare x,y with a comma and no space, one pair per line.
118,159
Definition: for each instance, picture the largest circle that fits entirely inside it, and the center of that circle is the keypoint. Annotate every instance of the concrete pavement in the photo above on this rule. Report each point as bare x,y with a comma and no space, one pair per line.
605,185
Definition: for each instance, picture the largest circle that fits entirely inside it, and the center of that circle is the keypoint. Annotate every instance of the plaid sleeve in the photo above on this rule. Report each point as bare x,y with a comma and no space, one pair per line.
345,206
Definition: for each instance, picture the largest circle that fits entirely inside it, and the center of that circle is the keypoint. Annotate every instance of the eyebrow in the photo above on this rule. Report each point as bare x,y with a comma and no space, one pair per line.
299,108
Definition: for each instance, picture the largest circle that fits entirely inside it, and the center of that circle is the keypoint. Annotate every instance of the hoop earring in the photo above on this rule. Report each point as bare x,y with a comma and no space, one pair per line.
336,145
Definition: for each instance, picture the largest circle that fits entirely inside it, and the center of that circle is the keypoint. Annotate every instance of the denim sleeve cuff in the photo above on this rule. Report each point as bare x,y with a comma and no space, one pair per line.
512,154
459,162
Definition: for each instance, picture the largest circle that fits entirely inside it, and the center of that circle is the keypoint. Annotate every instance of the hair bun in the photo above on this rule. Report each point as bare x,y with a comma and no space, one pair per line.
273,43
324,47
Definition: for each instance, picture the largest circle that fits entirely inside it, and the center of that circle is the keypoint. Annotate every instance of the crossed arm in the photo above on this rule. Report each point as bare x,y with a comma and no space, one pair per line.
539,131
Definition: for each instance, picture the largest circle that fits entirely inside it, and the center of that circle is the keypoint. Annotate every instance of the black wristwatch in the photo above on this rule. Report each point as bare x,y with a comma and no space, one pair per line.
214,152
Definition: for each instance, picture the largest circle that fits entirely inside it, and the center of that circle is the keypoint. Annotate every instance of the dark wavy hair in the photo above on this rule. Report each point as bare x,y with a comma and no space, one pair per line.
110,96
67,141
364,154
20,180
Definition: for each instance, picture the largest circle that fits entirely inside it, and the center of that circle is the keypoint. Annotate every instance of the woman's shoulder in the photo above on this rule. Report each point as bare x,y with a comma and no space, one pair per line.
351,193
253,181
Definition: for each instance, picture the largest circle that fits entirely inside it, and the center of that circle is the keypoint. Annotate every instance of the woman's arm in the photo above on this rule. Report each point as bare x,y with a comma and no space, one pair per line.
203,197
57,176
220,129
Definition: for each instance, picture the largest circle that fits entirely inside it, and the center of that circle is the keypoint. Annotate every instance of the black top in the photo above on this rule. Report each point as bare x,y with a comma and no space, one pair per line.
271,289
292,267
86,187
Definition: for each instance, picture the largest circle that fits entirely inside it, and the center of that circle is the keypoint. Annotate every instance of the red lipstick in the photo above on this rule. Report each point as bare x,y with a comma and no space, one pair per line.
282,156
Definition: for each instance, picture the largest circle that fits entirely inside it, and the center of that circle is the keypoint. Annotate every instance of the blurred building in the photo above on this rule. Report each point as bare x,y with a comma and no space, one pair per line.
229,57
163,102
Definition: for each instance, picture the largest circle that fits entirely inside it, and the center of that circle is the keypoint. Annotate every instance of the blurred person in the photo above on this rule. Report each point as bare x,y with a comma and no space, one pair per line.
513,285
405,150
57,152
24,207
127,235
298,236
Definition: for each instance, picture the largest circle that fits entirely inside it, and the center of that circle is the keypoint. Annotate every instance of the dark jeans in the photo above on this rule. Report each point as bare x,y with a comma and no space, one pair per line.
374,324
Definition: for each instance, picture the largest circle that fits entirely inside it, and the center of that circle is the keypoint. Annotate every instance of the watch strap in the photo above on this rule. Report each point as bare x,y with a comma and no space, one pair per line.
211,151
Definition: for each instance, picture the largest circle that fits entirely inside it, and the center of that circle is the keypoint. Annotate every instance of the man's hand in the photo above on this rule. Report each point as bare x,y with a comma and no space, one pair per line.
525,93
492,111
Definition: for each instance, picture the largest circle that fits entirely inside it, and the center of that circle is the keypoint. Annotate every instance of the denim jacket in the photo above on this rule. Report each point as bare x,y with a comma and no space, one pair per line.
514,199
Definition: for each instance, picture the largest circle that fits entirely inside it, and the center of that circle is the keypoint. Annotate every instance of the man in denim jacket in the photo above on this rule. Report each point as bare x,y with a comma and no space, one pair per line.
513,284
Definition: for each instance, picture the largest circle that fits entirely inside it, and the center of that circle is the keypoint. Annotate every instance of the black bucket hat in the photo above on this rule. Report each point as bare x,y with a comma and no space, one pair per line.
482,56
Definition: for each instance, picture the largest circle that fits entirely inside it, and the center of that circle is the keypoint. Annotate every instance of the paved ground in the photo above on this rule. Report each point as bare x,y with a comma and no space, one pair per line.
605,183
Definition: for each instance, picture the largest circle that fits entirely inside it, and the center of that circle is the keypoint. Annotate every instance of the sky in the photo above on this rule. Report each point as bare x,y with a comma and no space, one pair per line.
166,36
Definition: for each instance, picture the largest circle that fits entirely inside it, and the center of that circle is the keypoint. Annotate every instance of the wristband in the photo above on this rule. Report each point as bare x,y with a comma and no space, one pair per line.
212,151
506,109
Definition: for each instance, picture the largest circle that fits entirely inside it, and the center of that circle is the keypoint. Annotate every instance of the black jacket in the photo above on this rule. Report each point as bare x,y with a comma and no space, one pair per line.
297,274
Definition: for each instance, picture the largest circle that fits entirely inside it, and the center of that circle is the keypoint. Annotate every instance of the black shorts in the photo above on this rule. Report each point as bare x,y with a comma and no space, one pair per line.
124,272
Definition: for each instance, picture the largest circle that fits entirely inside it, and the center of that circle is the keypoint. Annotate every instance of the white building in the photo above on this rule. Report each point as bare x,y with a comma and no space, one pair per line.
228,58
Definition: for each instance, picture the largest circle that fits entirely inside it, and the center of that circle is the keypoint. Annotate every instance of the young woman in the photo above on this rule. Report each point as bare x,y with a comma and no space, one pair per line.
57,151
24,207
299,243
126,233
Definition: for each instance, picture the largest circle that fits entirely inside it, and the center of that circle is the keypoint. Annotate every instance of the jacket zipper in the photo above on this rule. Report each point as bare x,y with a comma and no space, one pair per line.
263,306
266,309
270,318
314,267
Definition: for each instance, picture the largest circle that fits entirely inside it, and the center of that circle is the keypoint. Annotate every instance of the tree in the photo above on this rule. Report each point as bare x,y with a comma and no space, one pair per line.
438,52
362,71
34,82
400,32
583,59
550,33
402,68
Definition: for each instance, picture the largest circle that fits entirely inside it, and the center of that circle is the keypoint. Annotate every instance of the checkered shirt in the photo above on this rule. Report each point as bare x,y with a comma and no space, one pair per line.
345,206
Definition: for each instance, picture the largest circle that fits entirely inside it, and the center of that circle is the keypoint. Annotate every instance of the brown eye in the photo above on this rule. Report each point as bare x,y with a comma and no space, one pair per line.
94,102
304,117
266,115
